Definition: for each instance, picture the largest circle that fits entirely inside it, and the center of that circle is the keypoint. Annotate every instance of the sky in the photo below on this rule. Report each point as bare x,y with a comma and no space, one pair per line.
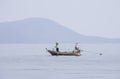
88,17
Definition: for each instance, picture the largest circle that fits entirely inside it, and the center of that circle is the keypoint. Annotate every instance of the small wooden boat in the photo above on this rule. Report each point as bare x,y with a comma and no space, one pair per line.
55,53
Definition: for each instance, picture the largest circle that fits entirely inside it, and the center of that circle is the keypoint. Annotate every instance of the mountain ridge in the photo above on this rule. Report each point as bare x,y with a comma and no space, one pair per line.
41,30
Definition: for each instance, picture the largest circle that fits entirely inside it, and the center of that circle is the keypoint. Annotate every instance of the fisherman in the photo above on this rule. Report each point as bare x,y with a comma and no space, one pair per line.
57,47
77,48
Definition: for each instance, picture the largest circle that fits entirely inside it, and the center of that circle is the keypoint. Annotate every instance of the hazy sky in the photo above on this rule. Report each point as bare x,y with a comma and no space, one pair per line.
88,17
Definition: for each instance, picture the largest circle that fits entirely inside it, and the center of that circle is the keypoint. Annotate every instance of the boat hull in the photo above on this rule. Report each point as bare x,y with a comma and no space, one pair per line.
55,53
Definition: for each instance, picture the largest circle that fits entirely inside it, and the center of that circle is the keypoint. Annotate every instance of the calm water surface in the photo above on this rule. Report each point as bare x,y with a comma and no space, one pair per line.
31,61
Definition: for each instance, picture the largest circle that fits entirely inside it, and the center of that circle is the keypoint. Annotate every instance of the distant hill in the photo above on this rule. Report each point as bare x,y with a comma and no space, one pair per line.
40,30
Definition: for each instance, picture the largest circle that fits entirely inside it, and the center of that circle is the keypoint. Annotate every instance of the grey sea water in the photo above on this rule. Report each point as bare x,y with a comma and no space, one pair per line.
32,61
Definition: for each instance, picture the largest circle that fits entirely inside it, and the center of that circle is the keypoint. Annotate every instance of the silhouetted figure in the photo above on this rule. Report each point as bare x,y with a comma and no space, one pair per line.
77,48
57,47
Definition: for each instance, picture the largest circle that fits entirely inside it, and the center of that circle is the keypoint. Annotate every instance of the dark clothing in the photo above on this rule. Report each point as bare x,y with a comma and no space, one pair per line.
57,49
77,48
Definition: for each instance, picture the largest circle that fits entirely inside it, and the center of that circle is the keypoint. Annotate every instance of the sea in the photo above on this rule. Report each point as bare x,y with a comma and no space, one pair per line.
32,61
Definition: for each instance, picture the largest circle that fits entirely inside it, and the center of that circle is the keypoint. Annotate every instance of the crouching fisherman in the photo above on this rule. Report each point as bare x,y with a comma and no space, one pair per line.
76,48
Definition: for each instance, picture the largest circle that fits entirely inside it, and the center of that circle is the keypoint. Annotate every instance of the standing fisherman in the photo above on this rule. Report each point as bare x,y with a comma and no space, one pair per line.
57,47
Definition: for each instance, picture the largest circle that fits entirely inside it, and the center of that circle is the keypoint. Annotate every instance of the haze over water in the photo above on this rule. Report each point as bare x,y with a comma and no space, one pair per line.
31,61
99,18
